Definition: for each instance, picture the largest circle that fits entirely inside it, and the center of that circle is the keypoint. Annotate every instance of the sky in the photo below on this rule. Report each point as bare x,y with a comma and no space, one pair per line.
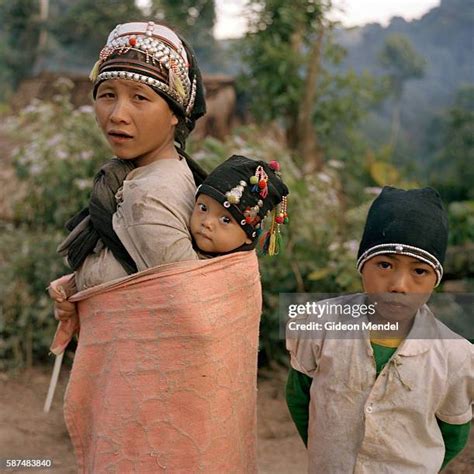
231,13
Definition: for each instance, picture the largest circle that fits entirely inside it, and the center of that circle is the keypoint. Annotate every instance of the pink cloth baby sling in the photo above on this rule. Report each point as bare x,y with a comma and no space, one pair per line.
164,375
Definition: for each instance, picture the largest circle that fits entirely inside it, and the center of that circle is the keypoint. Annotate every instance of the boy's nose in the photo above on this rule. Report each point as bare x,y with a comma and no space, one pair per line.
399,282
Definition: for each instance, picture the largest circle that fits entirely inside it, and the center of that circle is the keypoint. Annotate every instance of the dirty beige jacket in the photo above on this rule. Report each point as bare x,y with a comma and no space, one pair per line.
154,206
362,424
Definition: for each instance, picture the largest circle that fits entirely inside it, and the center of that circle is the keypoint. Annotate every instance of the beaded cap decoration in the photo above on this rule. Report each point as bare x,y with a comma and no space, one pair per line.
165,67
250,190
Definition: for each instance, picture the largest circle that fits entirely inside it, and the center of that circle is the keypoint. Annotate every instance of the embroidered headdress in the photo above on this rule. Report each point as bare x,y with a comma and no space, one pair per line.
154,55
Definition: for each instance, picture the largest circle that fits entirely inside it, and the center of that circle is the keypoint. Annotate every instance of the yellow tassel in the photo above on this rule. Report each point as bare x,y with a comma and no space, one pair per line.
272,246
175,82
95,71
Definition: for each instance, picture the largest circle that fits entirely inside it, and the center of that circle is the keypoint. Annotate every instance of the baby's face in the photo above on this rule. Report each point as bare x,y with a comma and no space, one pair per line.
398,284
213,227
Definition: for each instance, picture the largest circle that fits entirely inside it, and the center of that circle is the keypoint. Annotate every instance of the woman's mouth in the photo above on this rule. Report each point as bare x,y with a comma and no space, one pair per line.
118,136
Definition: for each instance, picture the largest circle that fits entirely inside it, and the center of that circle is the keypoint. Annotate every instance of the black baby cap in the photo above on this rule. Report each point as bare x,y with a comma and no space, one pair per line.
250,189
412,222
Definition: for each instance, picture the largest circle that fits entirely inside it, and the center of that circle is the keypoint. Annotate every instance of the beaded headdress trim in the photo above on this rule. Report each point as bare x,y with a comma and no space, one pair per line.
163,51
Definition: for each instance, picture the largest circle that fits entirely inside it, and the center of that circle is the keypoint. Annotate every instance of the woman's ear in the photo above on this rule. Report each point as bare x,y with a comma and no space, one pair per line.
174,119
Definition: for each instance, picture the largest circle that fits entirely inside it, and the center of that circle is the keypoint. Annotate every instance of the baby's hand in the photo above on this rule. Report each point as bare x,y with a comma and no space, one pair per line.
58,291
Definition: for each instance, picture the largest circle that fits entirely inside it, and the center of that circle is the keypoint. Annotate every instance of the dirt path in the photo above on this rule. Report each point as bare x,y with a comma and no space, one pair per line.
26,432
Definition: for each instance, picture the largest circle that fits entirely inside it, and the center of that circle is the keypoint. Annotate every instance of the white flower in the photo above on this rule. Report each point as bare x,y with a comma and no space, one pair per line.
82,184
85,109
336,164
325,178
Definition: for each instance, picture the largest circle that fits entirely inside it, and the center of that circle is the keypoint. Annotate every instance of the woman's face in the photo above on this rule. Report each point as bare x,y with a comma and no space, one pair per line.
136,121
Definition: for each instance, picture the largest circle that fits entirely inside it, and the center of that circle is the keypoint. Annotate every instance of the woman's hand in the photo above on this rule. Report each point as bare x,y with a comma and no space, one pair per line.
59,290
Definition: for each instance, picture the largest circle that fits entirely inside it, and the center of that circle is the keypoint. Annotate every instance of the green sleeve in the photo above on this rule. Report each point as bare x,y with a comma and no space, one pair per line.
455,439
297,399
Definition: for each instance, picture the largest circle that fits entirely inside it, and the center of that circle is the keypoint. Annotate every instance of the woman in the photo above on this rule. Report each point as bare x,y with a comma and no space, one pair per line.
164,373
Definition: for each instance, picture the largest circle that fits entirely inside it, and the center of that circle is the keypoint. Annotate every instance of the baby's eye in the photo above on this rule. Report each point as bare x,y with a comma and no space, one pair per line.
202,207
226,220
384,265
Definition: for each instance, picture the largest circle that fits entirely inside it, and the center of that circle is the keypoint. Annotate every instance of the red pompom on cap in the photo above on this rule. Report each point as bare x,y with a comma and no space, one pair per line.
262,184
274,165
132,41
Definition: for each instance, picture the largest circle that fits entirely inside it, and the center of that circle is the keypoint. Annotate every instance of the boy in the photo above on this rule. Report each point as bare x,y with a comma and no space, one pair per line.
400,404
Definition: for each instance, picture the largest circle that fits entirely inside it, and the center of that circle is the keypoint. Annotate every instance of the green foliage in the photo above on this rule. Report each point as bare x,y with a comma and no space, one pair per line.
453,144
279,52
275,53
60,150
87,23
401,62
461,222
19,35
195,20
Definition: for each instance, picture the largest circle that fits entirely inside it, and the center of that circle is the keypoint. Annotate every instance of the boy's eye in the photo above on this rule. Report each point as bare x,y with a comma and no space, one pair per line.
202,207
421,271
384,265
226,220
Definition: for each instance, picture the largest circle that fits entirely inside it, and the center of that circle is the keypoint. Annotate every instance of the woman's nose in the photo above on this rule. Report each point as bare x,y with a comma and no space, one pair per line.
119,112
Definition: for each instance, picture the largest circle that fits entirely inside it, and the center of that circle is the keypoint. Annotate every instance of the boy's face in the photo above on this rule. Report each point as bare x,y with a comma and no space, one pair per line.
136,121
399,284
213,227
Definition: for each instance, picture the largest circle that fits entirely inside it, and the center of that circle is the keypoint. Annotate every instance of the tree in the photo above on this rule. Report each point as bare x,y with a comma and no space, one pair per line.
283,64
20,38
401,63
453,173
195,19
85,24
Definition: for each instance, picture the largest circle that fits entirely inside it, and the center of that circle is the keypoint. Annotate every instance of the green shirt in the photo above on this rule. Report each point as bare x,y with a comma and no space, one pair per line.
298,387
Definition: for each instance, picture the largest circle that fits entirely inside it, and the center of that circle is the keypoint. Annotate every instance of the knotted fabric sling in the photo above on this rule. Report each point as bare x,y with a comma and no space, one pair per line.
164,375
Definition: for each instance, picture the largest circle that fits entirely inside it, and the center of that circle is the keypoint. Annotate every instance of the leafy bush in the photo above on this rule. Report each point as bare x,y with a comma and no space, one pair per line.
59,153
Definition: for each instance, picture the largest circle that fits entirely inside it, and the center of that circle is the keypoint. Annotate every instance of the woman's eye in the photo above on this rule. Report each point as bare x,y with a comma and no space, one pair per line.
105,95
140,97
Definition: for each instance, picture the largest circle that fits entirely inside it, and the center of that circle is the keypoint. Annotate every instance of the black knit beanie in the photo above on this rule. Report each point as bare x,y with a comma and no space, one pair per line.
248,189
412,222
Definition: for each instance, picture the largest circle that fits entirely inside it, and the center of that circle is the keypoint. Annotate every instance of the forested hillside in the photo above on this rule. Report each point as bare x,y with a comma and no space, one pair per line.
443,38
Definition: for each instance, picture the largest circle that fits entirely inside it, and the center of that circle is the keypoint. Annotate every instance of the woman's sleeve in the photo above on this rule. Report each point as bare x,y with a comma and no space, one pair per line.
455,438
153,225
298,388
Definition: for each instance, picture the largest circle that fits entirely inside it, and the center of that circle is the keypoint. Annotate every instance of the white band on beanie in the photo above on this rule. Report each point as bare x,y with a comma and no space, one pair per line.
402,249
